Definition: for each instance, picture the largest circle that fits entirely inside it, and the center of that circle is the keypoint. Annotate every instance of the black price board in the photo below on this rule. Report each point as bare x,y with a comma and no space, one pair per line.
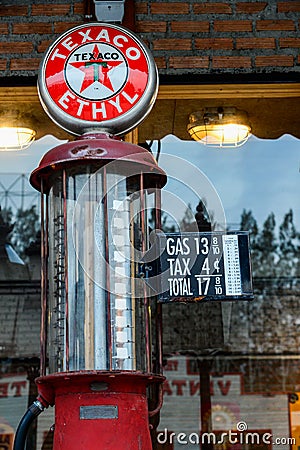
204,266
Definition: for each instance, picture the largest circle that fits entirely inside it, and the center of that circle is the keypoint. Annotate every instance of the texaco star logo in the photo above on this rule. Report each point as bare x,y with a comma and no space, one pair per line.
96,73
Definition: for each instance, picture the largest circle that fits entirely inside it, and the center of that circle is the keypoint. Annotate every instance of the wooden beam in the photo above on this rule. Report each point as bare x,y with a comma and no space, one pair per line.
23,94
180,92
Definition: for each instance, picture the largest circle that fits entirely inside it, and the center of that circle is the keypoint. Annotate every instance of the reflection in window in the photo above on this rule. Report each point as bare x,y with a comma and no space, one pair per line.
20,294
225,363
237,362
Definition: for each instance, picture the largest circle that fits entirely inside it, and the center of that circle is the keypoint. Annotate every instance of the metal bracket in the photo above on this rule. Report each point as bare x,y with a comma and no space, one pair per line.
109,10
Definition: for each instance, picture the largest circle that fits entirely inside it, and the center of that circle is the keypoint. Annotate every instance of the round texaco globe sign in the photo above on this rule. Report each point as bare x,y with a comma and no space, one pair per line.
98,77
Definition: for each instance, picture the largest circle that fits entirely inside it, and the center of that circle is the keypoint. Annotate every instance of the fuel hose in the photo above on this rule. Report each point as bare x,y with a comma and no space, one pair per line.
31,414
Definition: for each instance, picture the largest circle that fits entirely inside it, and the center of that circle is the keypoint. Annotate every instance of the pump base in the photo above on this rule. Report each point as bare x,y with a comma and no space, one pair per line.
99,410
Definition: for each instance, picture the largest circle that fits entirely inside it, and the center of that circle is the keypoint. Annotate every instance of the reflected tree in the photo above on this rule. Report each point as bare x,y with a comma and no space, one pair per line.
24,227
202,217
249,223
198,220
267,248
274,252
288,263
166,225
188,222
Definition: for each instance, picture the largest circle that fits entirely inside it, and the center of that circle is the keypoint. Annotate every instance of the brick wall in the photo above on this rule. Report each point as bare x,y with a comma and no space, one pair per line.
20,320
221,36
28,28
186,37
253,328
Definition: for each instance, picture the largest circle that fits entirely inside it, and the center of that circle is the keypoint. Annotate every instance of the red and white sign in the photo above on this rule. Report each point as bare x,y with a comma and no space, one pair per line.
96,73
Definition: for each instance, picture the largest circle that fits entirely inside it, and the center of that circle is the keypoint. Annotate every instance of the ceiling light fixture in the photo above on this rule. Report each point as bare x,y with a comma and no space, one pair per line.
16,138
219,127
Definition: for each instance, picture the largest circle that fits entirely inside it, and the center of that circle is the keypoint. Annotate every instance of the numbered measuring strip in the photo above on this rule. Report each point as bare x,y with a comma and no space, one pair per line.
232,272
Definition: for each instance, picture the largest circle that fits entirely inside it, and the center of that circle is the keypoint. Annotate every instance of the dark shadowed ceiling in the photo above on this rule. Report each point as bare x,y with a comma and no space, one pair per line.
272,110
268,118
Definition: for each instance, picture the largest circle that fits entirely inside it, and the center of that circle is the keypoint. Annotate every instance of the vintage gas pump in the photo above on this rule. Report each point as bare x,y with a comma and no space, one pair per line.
98,357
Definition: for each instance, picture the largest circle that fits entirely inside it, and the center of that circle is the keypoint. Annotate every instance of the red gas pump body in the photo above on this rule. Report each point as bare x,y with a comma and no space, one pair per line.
95,410
96,346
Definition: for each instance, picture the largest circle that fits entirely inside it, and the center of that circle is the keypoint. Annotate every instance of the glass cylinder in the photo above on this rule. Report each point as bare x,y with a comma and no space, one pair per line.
96,226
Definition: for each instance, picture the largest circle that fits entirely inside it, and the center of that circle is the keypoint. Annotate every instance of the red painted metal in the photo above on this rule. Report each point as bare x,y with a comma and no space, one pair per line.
98,149
155,411
93,391
75,392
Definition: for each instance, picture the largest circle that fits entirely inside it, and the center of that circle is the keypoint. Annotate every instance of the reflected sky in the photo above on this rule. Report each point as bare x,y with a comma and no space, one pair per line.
15,189
25,161
261,176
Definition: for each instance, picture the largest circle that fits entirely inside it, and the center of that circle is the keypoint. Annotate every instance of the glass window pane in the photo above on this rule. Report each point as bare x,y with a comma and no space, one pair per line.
236,364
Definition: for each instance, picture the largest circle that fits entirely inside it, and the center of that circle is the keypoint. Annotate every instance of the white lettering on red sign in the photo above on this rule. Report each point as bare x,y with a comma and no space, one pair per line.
96,73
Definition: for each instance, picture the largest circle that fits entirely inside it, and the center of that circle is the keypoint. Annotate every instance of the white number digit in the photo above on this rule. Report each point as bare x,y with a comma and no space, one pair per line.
205,266
205,249
204,281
